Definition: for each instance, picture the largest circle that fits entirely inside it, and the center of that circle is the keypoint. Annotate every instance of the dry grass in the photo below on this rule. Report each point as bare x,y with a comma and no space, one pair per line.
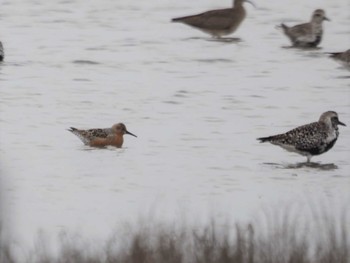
279,239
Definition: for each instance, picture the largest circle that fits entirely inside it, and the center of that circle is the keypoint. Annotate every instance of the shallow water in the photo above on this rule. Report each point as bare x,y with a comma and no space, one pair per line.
196,104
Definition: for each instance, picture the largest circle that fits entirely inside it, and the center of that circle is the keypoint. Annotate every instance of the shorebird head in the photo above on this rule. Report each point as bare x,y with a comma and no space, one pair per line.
331,119
240,2
319,16
120,128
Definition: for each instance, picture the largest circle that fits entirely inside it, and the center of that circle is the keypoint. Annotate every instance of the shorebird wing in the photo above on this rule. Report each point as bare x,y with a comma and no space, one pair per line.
86,136
81,134
98,133
309,137
301,137
302,33
214,19
310,143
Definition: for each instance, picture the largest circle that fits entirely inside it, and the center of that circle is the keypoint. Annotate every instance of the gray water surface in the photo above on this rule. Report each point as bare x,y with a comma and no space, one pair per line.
197,106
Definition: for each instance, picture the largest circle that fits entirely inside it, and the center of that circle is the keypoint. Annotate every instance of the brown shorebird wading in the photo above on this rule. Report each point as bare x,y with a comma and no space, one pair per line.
342,57
218,22
308,34
310,139
103,137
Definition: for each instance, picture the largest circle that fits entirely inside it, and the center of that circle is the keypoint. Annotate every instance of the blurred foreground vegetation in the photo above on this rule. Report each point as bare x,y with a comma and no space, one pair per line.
274,239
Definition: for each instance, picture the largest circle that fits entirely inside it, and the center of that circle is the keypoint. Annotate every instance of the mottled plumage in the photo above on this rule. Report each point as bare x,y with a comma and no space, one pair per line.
342,57
308,34
2,54
310,139
102,137
218,22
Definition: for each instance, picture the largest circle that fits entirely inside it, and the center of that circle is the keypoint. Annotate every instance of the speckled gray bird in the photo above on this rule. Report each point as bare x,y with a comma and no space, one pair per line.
310,139
307,34
219,22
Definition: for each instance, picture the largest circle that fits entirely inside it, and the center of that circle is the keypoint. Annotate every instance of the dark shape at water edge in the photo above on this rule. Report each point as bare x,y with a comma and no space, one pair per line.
302,48
2,54
221,39
87,62
317,166
226,39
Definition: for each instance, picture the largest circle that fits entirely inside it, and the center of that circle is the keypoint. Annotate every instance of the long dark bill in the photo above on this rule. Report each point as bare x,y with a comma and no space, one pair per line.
127,132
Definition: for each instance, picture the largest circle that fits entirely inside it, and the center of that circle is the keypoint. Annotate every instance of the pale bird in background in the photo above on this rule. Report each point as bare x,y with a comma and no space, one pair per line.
217,23
310,139
308,34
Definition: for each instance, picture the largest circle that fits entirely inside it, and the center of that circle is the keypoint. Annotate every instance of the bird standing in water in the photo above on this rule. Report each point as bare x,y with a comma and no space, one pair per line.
307,34
103,137
310,139
219,22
